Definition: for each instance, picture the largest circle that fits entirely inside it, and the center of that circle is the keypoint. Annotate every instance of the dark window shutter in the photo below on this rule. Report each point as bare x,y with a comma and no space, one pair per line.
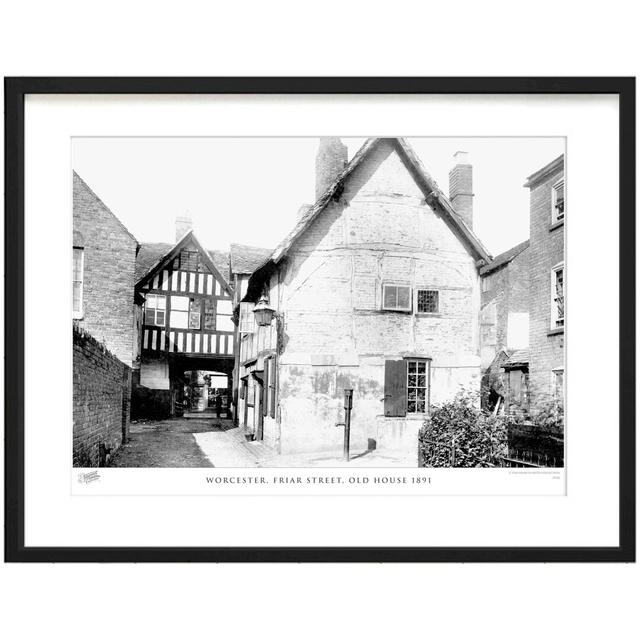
272,384
265,388
395,388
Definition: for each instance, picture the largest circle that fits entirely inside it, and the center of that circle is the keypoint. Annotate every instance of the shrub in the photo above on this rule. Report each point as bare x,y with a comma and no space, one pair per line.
459,434
549,417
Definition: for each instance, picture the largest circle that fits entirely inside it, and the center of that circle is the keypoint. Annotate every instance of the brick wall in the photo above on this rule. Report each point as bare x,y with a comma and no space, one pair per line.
109,263
546,251
507,292
101,400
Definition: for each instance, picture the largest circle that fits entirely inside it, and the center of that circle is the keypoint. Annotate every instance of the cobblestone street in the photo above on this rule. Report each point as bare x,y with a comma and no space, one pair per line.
208,441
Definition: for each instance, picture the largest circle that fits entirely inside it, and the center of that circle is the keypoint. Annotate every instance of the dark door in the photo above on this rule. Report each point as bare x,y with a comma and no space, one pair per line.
259,413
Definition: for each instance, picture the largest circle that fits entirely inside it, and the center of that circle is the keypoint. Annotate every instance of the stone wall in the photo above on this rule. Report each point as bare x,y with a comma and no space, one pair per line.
335,334
101,401
108,278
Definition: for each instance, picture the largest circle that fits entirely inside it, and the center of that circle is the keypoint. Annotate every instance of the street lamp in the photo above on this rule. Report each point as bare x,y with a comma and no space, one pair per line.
263,312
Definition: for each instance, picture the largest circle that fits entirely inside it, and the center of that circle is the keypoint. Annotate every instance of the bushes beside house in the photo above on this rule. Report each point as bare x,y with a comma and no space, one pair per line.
459,434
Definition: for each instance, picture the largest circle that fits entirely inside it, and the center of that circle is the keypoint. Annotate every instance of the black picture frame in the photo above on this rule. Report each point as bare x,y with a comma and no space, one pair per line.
15,91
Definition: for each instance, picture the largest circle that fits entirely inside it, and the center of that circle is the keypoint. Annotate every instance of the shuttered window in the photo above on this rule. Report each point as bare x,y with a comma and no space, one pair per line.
272,388
395,388
265,388
406,387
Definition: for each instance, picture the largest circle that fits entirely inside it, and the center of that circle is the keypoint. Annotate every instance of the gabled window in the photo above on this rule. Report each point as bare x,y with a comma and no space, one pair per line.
189,260
557,297
557,202
396,297
428,301
78,279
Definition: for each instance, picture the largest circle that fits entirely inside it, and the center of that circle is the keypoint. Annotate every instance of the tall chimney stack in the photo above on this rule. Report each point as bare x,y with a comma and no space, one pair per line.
184,224
331,160
461,187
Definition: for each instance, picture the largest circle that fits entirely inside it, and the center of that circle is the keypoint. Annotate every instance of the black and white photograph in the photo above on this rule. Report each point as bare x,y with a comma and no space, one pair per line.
318,302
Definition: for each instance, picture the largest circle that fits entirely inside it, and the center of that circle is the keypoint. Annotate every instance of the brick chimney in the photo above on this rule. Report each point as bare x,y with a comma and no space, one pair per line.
331,160
461,187
183,225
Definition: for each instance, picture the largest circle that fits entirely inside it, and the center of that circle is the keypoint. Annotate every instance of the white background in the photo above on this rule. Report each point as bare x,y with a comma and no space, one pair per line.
329,38
586,516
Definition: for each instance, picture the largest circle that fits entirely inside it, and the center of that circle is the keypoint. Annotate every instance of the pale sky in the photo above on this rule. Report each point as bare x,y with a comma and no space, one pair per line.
248,190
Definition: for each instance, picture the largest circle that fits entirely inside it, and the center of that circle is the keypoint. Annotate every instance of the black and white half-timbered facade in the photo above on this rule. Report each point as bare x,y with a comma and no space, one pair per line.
184,324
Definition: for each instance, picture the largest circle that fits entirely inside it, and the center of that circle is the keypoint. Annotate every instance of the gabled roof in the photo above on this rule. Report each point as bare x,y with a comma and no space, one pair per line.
80,185
153,256
428,185
245,259
433,195
504,258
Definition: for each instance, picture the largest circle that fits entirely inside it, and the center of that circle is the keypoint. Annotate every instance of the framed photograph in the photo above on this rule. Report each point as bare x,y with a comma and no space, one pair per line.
320,319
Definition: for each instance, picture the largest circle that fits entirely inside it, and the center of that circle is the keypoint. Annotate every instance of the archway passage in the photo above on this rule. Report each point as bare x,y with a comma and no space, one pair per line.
207,392
170,385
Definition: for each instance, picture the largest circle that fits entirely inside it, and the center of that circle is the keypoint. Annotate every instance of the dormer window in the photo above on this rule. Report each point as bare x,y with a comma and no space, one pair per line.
396,297
557,202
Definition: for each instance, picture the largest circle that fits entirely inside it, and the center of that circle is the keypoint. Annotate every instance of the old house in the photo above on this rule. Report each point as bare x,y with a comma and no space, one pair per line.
376,289
547,283
504,329
185,322
104,258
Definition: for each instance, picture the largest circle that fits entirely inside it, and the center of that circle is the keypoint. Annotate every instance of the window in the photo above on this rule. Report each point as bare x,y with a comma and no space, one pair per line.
427,301
396,297
417,385
194,314
406,387
186,313
209,315
78,275
191,261
557,381
557,297
179,318
557,201
223,316
247,319
154,310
